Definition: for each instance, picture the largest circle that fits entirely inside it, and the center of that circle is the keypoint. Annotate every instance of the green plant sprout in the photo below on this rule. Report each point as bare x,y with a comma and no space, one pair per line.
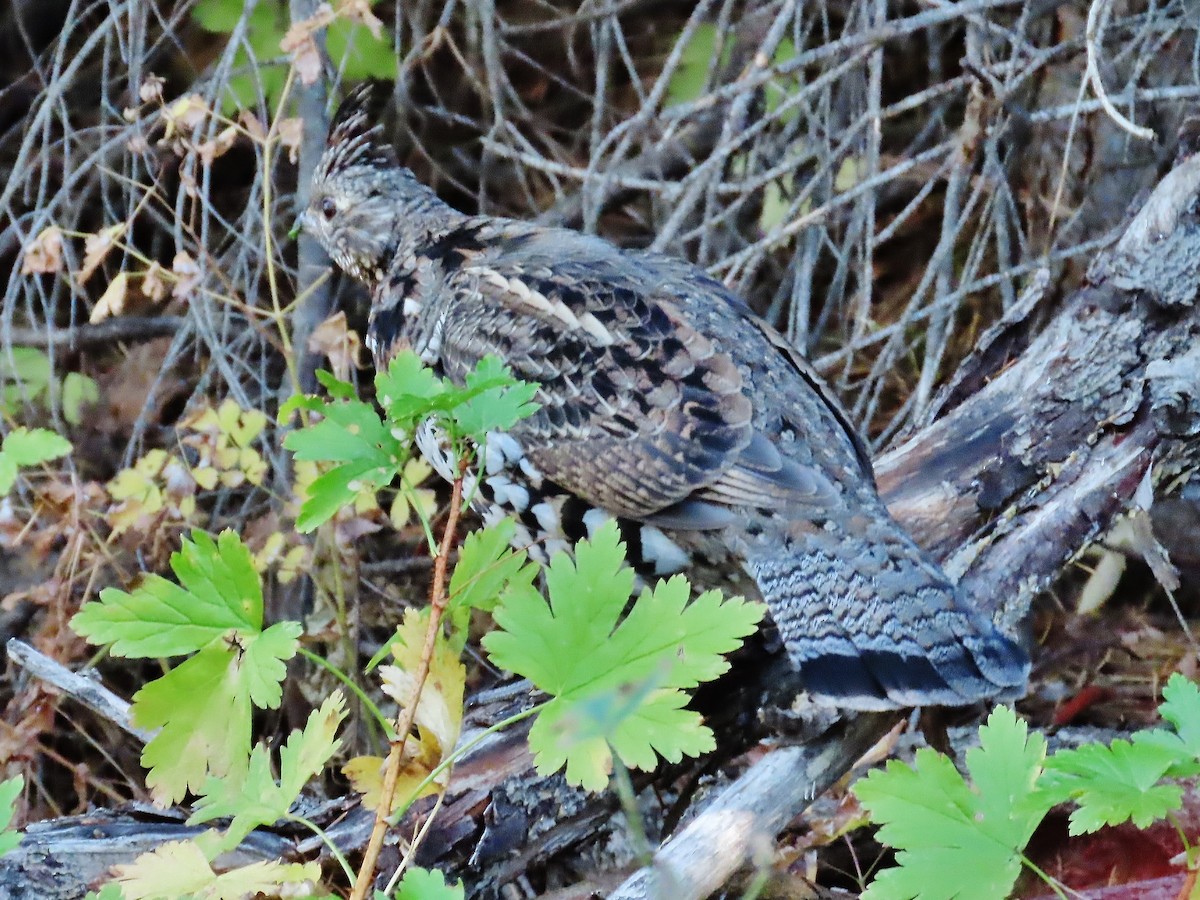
23,448
957,838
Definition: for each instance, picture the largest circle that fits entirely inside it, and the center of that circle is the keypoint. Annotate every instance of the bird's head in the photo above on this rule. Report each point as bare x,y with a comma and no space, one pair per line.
364,205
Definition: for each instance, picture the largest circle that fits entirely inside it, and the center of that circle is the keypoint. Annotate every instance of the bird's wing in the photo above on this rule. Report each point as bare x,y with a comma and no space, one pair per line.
641,414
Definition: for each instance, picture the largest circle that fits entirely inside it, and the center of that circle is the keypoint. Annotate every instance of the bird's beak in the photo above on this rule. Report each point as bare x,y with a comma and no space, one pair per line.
300,224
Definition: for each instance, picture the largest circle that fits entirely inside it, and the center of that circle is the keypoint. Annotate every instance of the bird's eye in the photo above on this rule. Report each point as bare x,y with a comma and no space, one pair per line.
328,208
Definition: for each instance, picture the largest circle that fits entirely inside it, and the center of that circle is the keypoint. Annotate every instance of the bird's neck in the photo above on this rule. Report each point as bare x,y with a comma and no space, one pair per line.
420,222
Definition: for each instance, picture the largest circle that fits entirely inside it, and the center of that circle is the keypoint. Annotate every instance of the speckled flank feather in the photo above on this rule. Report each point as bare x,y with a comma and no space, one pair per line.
667,405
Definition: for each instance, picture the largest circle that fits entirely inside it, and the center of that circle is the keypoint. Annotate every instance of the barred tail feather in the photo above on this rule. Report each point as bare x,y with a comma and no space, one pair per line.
871,624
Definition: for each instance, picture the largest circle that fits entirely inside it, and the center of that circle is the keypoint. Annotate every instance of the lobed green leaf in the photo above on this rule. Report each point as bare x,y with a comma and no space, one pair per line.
219,592
952,840
616,681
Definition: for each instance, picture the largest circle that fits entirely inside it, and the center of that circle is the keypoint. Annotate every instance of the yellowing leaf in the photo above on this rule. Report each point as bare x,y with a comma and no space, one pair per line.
410,498
293,564
112,301
438,719
439,712
252,465
185,114
207,478
180,868
366,775
174,869
137,492
43,253
259,799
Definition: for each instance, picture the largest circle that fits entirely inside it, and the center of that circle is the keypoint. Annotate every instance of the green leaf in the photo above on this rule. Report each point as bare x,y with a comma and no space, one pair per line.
494,400
1115,783
425,884
358,53
24,447
203,712
25,375
78,391
339,487
688,80
203,709
408,389
10,790
261,800
29,447
954,840
219,592
486,564
217,15
262,663
350,432
1181,707
617,683
335,387
110,891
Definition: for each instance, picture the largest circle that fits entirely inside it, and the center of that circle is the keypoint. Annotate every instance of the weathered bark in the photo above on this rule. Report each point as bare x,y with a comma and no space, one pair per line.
1009,484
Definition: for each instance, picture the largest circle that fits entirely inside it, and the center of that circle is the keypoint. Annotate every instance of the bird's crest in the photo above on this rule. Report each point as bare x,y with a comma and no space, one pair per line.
356,137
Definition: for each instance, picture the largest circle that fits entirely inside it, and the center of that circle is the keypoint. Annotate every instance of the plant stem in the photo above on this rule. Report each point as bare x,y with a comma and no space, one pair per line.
463,750
1051,882
633,816
326,840
391,775
357,690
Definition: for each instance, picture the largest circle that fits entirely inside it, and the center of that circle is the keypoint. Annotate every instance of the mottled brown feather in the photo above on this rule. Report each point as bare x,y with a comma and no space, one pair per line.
667,405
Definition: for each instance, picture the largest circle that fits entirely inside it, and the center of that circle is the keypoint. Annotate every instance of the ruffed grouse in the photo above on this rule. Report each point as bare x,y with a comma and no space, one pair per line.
667,404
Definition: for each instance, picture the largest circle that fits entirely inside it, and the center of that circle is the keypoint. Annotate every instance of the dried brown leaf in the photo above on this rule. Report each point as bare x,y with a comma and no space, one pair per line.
96,248
187,275
302,47
360,11
43,253
112,301
253,126
335,340
153,286
151,88
218,146
185,114
291,131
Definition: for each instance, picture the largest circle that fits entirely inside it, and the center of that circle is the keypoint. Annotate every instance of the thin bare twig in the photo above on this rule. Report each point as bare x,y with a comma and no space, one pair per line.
391,773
